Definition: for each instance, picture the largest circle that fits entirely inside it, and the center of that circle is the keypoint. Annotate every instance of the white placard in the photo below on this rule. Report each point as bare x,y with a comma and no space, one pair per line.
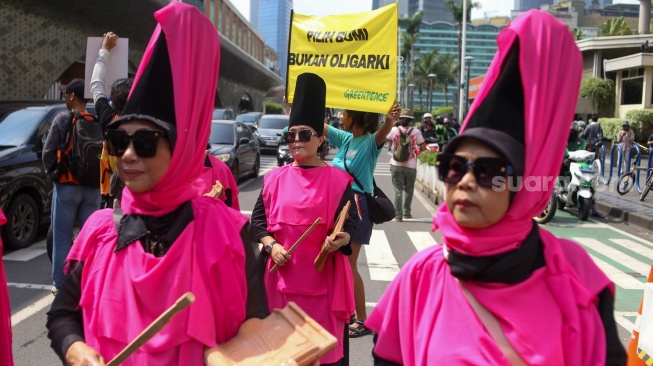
117,65
646,322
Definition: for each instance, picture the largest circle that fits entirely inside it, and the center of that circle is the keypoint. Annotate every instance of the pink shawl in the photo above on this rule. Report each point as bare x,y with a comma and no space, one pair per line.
566,322
194,48
220,171
5,312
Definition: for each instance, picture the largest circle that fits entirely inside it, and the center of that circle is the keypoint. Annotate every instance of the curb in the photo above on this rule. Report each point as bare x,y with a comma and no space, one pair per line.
624,216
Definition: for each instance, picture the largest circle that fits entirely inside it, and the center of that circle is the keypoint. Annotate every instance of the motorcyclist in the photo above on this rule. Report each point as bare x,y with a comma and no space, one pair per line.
574,143
449,132
428,129
439,131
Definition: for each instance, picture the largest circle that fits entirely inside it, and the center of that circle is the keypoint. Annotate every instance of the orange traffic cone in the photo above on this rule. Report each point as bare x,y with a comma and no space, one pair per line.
634,359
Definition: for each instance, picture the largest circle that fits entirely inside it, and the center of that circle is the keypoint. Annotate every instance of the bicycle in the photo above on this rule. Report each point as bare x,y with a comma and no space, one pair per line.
627,181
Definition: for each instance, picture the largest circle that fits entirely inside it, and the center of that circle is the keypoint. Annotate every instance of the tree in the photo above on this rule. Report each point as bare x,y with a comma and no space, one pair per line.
595,4
406,46
578,33
602,93
457,12
412,25
446,74
615,27
426,64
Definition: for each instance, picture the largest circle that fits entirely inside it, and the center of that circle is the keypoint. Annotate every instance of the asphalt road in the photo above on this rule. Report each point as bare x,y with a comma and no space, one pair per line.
624,252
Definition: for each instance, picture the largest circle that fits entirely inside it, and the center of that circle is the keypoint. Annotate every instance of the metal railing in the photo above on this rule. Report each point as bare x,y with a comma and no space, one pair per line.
634,152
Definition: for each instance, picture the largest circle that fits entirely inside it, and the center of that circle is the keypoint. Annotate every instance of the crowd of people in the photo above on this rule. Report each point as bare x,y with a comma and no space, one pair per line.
161,235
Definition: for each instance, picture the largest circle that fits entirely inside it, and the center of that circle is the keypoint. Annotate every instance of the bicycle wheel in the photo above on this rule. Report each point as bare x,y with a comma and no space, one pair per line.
649,185
626,183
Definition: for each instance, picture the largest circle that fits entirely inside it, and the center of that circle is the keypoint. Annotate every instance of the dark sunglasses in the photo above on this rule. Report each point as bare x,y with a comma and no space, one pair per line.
452,168
145,142
302,136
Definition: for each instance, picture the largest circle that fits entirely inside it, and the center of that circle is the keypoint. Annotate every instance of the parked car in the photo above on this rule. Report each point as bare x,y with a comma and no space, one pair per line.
250,119
223,114
234,144
25,191
269,128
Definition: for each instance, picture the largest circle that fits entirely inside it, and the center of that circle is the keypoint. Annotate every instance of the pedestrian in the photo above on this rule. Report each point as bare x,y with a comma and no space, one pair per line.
292,198
6,358
216,170
581,124
427,129
403,164
359,146
500,290
110,185
626,139
455,124
593,133
169,239
70,200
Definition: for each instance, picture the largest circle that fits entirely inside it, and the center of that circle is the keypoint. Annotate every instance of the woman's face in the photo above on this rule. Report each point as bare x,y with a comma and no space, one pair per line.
303,150
140,175
471,205
346,121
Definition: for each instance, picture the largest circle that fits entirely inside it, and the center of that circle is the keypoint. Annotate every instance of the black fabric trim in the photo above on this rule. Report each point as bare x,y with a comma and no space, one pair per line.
151,230
615,352
511,267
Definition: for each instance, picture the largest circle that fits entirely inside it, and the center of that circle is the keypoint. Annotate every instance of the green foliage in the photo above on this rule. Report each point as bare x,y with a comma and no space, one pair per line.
273,108
456,8
644,119
427,157
612,126
442,111
601,91
578,33
615,27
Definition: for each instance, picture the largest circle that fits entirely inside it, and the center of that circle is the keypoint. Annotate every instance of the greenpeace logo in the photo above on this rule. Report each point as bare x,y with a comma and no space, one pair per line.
366,95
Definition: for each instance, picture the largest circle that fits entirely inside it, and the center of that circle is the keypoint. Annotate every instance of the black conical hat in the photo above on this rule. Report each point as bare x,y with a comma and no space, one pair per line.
308,106
152,95
498,121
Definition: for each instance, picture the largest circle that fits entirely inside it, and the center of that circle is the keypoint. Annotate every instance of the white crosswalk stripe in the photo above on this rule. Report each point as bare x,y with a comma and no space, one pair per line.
421,239
642,249
381,262
27,254
616,255
617,276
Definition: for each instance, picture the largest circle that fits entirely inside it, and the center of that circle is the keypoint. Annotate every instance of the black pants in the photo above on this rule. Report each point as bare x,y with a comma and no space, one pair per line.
344,361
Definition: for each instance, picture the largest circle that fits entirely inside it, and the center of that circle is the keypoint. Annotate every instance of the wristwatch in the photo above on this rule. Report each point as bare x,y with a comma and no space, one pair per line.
268,248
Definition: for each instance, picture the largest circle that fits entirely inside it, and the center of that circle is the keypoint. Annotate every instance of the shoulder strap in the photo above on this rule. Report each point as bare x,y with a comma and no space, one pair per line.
493,327
344,159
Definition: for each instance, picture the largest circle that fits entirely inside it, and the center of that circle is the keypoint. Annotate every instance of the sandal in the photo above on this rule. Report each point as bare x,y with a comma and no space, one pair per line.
358,331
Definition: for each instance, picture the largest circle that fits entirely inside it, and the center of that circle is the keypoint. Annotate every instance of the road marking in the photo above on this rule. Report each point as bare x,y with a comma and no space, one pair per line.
29,286
24,255
616,255
617,276
32,309
380,260
620,318
635,247
421,239
605,226
246,213
428,205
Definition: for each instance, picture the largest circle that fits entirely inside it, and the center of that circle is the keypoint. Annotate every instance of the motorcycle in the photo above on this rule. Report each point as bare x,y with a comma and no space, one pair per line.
283,153
584,178
432,144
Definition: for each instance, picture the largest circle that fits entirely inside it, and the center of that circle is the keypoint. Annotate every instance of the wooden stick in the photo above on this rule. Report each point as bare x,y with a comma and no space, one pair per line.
155,327
320,260
301,238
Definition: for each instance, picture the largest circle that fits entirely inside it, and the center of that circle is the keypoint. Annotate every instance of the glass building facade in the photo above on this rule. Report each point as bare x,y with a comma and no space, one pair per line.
442,36
274,24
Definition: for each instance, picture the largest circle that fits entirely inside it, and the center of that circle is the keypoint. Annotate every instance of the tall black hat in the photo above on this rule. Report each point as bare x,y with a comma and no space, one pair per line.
308,106
498,121
152,96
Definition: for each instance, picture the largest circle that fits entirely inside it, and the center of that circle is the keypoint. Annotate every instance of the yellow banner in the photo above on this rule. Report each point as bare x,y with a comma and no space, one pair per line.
355,54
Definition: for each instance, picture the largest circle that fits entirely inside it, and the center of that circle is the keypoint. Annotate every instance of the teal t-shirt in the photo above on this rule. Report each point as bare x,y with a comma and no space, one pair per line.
362,154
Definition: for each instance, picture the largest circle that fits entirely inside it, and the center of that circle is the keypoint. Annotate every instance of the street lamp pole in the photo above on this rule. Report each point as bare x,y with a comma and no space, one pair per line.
468,62
410,96
431,79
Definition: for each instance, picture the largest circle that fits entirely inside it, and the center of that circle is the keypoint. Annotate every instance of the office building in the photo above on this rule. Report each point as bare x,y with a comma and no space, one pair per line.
273,22
434,10
530,4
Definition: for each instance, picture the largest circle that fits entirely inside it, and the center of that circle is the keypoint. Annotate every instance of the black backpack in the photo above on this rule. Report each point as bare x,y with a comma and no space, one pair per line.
84,157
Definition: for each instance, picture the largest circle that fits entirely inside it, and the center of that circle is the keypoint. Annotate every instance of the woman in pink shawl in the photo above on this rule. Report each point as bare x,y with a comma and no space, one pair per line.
214,169
6,358
292,198
499,290
126,268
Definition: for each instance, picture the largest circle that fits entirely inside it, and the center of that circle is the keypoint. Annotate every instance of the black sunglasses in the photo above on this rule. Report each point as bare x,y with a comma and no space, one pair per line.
302,136
452,168
145,142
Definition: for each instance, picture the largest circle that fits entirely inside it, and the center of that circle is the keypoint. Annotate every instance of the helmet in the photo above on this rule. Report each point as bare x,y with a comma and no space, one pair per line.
575,126
438,120
446,120
625,124
427,115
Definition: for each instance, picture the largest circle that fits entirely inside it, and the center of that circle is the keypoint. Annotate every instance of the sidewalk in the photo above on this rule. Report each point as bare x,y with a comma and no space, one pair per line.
627,208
